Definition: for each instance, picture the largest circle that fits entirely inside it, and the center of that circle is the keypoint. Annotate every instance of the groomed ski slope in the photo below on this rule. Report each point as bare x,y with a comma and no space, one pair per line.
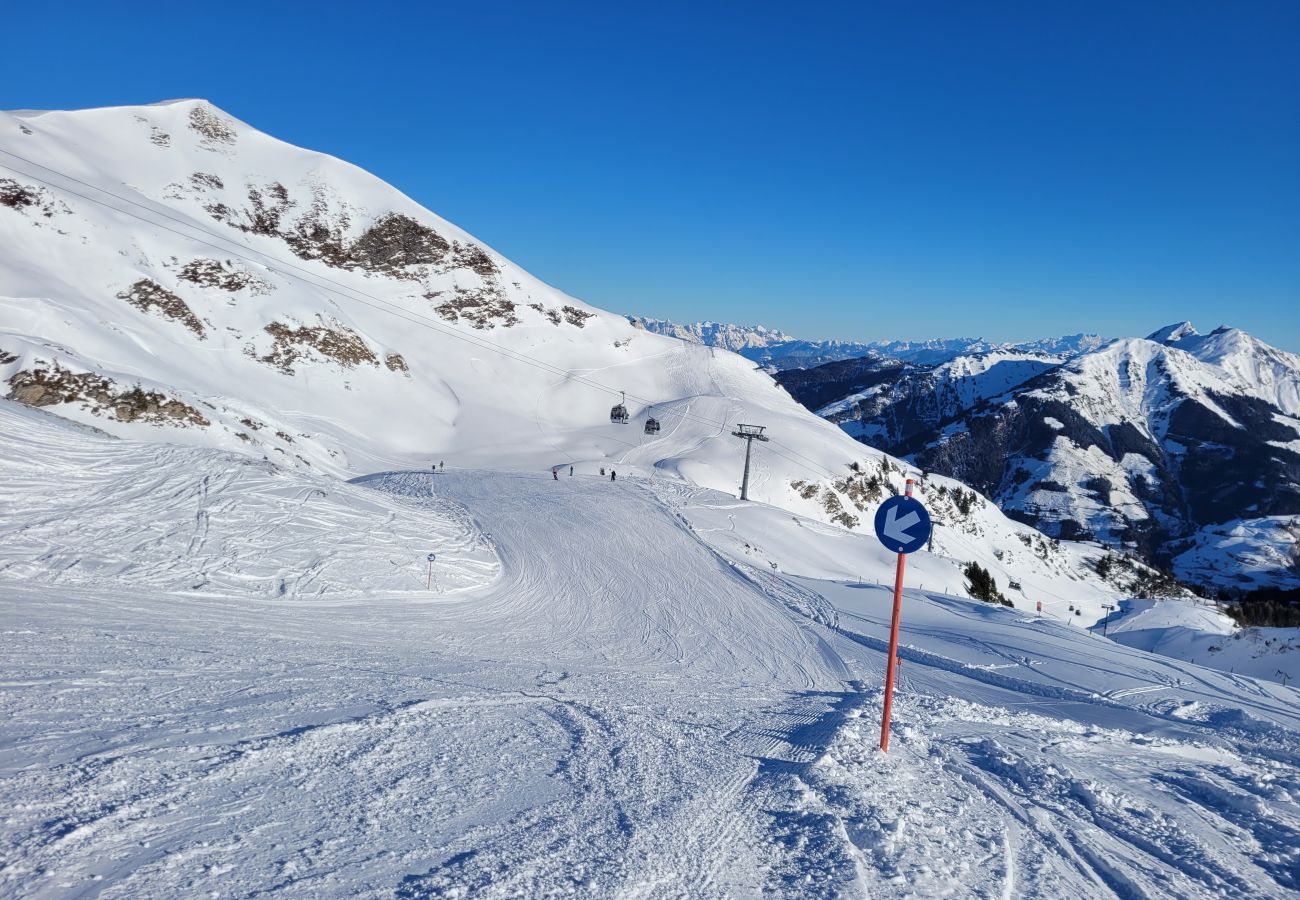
625,710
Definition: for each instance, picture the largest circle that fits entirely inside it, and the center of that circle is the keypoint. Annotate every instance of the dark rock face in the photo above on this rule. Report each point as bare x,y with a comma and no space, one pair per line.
817,387
150,296
339,343
42,386
1186,465
395,242
1232,472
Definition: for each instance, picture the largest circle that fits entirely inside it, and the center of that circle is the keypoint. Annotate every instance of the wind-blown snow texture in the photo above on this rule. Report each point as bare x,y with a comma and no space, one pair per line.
622,696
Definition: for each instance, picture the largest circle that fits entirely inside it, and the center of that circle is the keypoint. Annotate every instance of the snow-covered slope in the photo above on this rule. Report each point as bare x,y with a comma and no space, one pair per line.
79,508
1162,446
637,704
1202,635
1253,367
170,274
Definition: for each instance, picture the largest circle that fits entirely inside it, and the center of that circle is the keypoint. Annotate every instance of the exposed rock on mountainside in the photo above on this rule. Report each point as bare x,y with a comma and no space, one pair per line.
338,342
147,295
224,275
1142,444
328,321
23,197
100,396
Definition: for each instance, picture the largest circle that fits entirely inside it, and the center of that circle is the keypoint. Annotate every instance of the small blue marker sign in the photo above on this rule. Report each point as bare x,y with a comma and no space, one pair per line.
432,557
902,524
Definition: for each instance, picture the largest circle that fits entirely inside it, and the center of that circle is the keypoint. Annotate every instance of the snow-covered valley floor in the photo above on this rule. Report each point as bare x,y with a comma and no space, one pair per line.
622,709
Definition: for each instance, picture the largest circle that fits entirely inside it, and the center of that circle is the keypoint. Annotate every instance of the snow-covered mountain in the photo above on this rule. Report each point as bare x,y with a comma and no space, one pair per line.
715,334
171,274
254,644
1181,446
776,351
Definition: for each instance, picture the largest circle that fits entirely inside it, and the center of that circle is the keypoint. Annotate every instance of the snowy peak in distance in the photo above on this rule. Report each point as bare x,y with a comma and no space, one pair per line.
1250,366
1181,447
715,334
777,351
1172,334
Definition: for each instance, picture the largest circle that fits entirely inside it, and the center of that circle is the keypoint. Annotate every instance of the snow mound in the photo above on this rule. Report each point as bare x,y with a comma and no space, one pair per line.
79,508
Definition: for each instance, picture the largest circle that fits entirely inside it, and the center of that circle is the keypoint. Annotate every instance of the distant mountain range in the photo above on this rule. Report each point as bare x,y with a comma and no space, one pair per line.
777,351
1182,447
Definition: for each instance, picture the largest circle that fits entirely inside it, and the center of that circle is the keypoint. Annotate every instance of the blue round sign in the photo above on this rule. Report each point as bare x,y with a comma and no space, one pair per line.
432,557
902,524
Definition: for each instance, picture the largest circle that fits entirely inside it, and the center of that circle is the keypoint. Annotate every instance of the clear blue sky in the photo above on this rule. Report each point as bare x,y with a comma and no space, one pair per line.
859,170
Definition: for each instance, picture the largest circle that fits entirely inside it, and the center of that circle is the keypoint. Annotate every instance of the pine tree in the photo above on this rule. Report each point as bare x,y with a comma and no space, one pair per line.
982,586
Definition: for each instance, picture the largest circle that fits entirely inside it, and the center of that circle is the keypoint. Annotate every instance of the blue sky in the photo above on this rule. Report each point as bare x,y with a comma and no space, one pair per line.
857,170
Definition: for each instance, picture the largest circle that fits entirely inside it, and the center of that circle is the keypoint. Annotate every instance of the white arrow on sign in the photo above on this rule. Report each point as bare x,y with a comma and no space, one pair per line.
896,528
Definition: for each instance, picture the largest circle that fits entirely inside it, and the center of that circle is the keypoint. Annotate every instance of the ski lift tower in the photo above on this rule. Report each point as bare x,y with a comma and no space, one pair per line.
750,433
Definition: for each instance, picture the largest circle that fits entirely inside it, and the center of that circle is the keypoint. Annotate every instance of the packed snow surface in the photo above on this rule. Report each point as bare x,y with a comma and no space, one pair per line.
227,671
1203,635
632,706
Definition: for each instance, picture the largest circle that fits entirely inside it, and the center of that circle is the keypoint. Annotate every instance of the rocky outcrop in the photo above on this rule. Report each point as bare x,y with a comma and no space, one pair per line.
147,295
53,386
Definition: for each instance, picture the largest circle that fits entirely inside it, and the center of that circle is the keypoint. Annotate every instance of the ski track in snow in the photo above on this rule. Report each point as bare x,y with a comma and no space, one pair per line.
625,710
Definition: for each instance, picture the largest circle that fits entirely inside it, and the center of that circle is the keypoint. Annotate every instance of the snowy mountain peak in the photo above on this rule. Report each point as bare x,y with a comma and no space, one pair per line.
1173,333
202,283
715,334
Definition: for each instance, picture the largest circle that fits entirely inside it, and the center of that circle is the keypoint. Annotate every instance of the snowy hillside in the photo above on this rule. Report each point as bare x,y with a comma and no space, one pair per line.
78,508
171,274
1202,635
626,698
1184,448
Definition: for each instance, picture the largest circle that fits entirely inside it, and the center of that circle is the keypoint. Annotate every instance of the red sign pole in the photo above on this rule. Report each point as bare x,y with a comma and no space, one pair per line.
892,665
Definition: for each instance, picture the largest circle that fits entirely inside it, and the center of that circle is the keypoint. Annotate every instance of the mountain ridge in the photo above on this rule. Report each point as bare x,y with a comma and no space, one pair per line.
228,290
1168,445
777,351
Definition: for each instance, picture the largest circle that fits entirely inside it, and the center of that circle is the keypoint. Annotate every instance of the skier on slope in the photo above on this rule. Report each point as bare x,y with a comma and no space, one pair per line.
555,475
570,471
613,476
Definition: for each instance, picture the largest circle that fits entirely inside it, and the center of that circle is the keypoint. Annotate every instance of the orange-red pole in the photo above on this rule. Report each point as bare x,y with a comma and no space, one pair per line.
892,665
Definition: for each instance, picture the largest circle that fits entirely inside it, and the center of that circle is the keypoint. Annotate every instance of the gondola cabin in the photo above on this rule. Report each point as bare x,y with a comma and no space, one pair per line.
618,415
651,426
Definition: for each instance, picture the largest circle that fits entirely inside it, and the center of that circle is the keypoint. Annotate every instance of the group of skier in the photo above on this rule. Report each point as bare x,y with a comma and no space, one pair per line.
555,473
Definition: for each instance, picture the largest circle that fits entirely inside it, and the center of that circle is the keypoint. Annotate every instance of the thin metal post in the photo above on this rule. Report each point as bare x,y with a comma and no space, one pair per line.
891,666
